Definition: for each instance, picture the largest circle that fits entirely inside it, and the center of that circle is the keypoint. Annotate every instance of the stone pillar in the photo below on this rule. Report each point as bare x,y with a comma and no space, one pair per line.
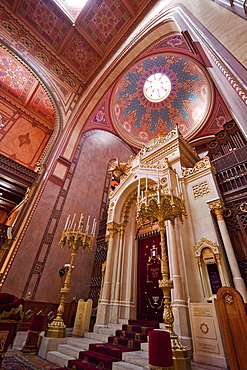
103,307
115,298
174,265
217,207
179,306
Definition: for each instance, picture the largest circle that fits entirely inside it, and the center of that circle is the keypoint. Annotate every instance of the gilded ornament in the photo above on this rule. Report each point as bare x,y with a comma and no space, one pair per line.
243,207
228,299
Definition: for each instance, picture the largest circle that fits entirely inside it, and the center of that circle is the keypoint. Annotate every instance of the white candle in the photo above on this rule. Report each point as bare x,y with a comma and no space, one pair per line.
73,220
93,226
139,188
169,179
66,223
87,227
74,227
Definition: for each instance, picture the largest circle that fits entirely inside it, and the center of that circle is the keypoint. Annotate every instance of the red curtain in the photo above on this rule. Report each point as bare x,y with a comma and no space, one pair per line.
150,296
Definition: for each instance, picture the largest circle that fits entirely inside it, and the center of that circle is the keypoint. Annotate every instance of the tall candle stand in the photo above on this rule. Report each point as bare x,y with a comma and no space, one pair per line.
74,239
158,203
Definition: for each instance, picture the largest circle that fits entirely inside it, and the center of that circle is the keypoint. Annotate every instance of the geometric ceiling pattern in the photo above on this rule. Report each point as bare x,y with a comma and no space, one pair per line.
24,90
59,41
187,105
27,117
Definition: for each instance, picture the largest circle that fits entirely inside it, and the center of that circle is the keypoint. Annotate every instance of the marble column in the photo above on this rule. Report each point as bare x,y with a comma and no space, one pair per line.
116,296
179,306
217,207
103,307
174,265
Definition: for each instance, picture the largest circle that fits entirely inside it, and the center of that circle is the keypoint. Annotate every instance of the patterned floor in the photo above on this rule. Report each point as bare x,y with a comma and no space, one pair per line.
14,360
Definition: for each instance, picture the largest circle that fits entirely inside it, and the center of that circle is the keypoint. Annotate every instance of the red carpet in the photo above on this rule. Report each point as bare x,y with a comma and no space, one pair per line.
102,355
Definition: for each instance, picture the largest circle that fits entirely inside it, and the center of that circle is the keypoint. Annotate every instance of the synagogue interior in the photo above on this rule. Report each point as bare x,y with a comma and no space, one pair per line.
123,179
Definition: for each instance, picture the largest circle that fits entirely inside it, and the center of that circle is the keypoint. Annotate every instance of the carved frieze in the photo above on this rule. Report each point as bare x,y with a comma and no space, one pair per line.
200,190
200,165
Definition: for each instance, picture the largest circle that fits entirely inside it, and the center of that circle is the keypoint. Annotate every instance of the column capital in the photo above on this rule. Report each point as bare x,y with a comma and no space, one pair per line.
217,207
113,227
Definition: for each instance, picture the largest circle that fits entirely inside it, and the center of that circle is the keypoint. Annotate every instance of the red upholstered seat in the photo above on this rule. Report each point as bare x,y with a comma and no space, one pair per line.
10,305
11,314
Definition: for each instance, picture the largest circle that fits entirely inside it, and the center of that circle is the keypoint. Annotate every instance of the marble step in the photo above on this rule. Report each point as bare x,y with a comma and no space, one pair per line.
107,331
138,358
68,350
144,347
59,358
81,343
123,321
125,366
96,336
115,326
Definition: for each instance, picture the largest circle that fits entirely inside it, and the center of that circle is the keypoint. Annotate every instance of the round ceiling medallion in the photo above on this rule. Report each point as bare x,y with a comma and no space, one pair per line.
157,87
157,94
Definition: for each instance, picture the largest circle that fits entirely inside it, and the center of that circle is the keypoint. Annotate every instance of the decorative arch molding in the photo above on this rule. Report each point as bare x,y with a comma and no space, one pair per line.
210,266
205,243
126,208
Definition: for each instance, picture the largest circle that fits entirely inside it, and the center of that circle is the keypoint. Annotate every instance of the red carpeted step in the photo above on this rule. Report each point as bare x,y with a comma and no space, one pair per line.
137,329
153,324
126,342
132,335
85,362
108,349
96,359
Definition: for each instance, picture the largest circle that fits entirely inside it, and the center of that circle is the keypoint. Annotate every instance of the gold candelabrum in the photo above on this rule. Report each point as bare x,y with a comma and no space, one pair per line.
158,203
74,239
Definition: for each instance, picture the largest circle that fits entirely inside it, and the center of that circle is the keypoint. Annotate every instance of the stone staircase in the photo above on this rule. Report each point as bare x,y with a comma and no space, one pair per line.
136,360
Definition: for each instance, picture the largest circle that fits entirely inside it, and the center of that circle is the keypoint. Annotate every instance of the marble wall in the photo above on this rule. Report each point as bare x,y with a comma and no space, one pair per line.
39,257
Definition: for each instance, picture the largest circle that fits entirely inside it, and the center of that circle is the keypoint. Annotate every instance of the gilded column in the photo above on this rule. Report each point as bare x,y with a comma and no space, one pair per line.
217,207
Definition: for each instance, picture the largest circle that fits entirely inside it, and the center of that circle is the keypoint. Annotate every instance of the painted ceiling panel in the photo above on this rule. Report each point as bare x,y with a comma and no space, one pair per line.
99,27
22,142
103,21
80,55
19,84
46,19
41,105
15,79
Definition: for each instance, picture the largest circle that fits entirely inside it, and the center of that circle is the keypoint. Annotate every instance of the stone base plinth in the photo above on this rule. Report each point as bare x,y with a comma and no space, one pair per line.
49,344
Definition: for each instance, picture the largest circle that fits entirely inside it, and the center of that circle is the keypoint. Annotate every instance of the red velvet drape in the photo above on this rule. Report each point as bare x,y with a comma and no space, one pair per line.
150,304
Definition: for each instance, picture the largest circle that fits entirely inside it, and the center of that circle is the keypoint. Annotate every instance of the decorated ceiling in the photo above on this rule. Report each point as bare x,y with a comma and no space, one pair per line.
51,55
68,48
187,103
26,110
71,47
